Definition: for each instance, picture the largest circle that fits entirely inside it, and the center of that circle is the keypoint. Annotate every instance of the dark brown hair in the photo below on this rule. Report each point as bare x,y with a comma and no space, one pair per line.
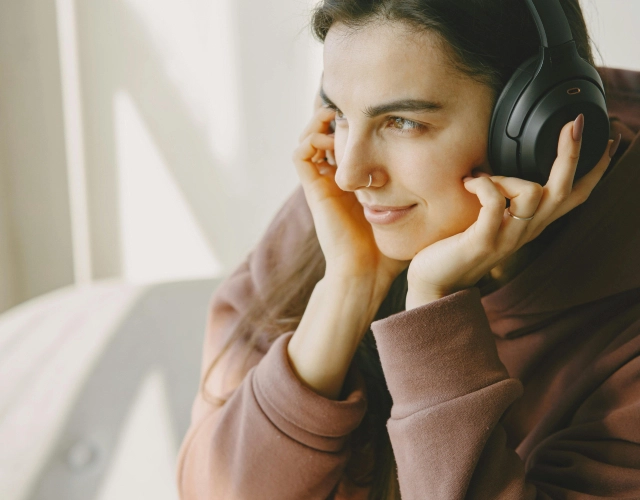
486,40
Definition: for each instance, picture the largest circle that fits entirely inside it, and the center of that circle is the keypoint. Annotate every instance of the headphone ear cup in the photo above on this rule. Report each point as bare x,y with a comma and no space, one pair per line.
558,106
531,153
502,150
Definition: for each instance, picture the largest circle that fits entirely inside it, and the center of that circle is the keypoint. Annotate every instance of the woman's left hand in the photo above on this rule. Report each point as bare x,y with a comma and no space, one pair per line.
460,261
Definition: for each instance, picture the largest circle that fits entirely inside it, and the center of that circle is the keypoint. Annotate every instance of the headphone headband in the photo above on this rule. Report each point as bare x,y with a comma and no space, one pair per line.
551,21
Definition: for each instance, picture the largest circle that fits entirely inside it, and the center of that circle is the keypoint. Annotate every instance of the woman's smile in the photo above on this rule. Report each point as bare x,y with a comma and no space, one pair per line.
376,214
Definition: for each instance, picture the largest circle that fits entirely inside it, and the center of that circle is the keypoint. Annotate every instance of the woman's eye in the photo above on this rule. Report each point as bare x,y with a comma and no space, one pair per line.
339,114
397,123
404,125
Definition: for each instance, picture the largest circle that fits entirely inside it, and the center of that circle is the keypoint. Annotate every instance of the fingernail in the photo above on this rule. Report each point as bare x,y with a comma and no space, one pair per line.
578,126
465,179
614,146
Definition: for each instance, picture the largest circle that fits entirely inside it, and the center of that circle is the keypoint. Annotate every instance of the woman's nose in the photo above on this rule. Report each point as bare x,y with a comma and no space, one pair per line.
354,166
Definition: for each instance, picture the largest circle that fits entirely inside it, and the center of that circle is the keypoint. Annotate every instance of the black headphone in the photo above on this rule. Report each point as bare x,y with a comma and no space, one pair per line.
545,92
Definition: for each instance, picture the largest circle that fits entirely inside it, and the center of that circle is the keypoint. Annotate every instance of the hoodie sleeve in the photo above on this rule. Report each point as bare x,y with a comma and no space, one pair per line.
273,437
450,390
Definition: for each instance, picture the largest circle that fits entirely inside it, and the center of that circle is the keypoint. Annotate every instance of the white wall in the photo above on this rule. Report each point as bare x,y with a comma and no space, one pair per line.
215,92
188,113
614,26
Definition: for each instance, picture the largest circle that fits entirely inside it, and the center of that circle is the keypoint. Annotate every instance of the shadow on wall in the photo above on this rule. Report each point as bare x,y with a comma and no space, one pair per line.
117,53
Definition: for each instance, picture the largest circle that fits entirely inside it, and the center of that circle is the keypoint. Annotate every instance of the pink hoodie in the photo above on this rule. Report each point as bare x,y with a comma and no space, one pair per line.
530,392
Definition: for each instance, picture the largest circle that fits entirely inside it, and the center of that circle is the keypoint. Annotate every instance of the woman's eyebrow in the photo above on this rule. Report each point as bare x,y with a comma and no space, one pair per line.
415,105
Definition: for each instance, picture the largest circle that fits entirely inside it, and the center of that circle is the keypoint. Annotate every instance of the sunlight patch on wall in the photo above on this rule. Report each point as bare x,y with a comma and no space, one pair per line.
160,238
143,462
197,44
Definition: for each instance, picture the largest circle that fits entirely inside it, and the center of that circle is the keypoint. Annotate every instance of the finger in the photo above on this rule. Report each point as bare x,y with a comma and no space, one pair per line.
524,196
493,203
585,185
525,205
563,170
327,170
319,122
310,146
319,156
307,170
524,200
560,183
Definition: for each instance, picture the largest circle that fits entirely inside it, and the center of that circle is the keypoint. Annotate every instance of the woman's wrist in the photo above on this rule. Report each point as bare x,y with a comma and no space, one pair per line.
322,347
417,298
368,292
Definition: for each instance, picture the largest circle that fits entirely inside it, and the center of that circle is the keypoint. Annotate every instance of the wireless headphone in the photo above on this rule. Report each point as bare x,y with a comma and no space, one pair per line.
545,92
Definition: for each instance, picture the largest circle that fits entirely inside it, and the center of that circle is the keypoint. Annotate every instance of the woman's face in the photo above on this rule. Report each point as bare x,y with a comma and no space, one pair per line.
415,156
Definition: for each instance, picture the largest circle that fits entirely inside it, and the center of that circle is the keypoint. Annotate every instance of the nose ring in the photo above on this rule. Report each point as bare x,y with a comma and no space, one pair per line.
370,179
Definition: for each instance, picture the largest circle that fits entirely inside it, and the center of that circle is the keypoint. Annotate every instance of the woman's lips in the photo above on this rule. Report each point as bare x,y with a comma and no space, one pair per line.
376,214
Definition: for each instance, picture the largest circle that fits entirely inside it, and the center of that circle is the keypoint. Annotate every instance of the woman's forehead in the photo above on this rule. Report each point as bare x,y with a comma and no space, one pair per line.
389,44
386,61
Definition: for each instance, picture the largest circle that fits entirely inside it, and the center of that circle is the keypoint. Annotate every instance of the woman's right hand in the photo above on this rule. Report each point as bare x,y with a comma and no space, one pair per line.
345,235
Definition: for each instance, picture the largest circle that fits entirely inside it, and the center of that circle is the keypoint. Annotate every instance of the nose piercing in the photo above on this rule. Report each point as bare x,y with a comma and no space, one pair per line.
370,179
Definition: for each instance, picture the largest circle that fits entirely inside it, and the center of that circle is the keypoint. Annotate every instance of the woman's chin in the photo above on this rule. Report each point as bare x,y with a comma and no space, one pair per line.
396,248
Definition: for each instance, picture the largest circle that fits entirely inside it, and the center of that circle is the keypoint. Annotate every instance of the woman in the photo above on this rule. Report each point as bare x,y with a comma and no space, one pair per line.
453,349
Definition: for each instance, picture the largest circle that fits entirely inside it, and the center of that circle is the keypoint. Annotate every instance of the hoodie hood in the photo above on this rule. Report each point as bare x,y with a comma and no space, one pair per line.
598,253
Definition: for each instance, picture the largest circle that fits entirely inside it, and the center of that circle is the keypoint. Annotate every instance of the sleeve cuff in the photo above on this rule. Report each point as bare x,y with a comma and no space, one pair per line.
437,352
301,413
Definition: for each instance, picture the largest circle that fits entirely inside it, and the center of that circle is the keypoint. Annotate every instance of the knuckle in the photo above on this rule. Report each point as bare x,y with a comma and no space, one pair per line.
300,152
574,156
497,204
558,197
535,190
315,137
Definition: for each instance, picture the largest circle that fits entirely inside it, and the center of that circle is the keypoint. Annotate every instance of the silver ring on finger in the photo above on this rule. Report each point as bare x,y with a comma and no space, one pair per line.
519,218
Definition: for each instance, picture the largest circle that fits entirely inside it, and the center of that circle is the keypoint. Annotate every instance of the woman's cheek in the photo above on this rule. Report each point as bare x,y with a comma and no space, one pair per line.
420,171
467,211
